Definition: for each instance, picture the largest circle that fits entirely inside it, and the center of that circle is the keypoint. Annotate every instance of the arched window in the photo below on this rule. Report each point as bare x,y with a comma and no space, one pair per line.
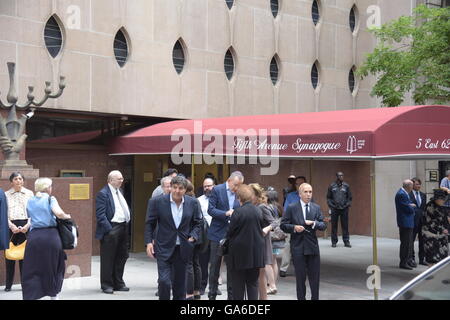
351,80
274,69
178,56
315,12
315,75
352,18
120,48
229,64
274,5
53,37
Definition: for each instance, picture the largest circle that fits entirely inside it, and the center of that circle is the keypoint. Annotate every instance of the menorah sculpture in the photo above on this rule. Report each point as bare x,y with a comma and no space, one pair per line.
12,129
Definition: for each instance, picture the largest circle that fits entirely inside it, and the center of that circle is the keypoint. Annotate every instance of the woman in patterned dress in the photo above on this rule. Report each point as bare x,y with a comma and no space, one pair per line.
435,228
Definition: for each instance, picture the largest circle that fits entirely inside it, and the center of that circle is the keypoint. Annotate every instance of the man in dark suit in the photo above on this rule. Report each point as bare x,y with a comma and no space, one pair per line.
301,220
113,216
222,203
173,224
405,222
420,200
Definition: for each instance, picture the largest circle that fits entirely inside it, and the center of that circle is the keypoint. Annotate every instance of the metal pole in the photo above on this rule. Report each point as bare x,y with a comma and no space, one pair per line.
374,222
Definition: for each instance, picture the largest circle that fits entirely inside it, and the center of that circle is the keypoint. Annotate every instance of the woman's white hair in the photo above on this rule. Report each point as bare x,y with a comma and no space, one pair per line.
42,184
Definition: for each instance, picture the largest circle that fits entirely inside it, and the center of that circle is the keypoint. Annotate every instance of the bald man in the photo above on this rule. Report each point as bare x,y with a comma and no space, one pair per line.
301,220
113,217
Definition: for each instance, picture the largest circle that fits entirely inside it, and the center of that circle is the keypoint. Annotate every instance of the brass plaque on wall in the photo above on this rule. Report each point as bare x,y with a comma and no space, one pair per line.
79,191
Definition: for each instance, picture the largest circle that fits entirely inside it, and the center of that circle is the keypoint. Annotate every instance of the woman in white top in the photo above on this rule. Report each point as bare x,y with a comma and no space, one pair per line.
18,220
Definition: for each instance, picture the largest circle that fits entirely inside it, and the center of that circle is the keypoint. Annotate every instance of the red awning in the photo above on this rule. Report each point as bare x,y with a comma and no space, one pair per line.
403,132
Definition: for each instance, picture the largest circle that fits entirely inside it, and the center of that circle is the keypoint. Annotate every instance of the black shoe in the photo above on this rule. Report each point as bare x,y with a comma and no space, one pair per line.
423,263
333,245
202,292
283,274
108,291
156,293
405,266
7,289
212,297
197,297
412,264
219,293
190,298
124,289
348,245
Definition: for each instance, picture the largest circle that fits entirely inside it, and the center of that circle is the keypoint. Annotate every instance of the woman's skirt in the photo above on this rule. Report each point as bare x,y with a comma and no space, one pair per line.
43,265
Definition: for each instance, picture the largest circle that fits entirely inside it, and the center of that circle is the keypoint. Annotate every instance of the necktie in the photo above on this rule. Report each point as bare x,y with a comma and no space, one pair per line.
124,206
306,211
418,199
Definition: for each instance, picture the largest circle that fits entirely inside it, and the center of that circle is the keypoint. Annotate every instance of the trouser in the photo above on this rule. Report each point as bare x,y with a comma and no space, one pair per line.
335,215
18,238
406,241
418,233
214,272
204,264
172,275
286,254
193,273
113,256
245,281
307,266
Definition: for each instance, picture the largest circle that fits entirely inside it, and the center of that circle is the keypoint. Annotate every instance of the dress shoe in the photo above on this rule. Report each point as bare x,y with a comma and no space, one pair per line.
197,297
412,264
202,292
348,245
108,291
7,289
283,274
333,245
405,266
423,263
219,293
212,297
124,289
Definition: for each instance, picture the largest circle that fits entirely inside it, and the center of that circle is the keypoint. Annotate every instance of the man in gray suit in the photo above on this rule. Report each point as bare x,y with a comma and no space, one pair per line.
301,220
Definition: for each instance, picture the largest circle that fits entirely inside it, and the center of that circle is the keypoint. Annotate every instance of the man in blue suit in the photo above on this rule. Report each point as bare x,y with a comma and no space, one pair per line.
172,227
405,221
113,217
222,203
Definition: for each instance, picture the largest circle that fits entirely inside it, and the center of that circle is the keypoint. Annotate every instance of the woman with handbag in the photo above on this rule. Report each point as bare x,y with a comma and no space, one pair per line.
44,262
18,221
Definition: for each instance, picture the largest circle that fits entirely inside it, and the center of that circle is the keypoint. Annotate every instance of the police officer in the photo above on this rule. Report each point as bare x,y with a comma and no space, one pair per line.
339,200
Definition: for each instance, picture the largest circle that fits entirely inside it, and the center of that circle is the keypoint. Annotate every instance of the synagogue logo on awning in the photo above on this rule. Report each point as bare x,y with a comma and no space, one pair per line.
354,145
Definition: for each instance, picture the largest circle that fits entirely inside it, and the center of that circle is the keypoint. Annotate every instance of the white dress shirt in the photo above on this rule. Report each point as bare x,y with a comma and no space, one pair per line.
121,214
177,214
304,211
204,204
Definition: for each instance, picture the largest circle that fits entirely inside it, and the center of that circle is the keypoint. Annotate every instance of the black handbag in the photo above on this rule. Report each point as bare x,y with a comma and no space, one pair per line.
203,240
68,232
223,248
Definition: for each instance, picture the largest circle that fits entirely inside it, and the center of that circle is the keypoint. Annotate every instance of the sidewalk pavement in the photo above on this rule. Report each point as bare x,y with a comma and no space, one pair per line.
343,275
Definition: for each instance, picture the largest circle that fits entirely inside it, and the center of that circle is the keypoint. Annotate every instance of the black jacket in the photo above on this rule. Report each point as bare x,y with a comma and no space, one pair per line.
246,240
418,211
339,196
160,227
303,243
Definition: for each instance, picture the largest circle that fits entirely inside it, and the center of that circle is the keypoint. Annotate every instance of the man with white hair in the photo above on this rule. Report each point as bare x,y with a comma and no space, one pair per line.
113,217
405,222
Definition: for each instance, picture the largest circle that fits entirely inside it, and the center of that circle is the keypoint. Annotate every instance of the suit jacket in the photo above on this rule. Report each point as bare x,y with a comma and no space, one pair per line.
218,206
104,211
4,228
246,240
405,213
418,211
160,227
303,243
